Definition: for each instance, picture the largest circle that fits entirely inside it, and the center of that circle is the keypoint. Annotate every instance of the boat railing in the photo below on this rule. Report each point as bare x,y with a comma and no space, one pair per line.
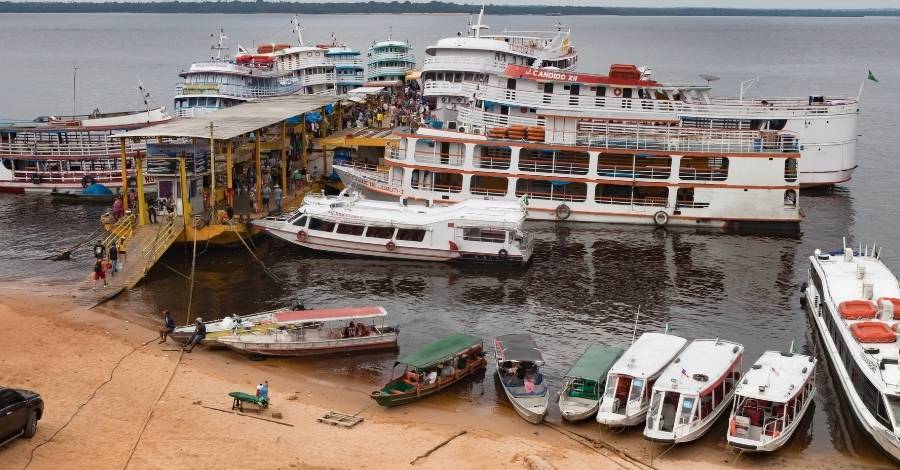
442,87
317,79
375,70
159,244
649,201
457,64
705,174
487,191
439,158
288,86
676,139
553,166
392,56
717,106
477,119
553,195
487,162
630,171
51,176
123,228
25,145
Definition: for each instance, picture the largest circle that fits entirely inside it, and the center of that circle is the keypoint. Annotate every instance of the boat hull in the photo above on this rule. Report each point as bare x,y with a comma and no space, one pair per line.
613,419
409,397
531,409
297,349
695,431
575,409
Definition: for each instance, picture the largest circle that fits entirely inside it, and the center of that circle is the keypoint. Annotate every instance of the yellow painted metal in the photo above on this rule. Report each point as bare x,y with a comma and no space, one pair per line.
323,128
284,175
141,199
258,171
124,154
340,116
304,157
185,197
229,167
212,166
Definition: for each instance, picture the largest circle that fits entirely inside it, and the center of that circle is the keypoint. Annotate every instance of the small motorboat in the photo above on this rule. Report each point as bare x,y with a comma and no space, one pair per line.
473,230
225,326
314,332
95,193
518,368
694,390
448,360
771,400
580,396
627,397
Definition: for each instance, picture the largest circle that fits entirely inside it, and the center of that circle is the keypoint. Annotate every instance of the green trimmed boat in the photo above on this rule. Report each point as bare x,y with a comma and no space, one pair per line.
580,396
432,369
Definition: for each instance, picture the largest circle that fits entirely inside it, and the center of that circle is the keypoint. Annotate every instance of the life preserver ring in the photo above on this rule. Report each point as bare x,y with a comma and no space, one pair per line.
660,218
301,236
87,180
459,99
391,246
617,91
443,99
309,54
563,212
36,178
503,254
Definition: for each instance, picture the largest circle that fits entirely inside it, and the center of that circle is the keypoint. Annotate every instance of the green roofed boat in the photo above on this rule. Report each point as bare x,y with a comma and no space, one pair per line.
580,396
432,369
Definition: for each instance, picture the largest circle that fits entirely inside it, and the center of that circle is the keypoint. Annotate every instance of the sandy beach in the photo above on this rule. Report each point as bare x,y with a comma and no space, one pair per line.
114,398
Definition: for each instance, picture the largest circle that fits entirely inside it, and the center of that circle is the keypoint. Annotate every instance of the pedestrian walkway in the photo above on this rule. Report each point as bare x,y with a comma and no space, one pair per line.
145,246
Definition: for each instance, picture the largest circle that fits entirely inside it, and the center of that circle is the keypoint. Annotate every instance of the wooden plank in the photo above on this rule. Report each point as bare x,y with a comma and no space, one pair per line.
340,419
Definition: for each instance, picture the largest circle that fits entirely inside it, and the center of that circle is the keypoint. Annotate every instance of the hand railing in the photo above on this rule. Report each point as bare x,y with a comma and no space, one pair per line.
123,228
160,243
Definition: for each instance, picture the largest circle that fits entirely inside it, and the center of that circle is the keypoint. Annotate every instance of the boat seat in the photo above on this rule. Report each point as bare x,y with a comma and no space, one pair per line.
399,386
858,309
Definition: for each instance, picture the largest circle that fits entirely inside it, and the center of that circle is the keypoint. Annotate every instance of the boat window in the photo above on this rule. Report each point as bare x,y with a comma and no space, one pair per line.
637,387
380,232
350,229
894,405
301,222
687,410
321,225
410,235
790,170
790,198
484,235
611,386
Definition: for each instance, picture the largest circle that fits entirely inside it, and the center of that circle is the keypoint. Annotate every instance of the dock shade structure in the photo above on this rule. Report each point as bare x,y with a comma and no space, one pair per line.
439,351
518,348
329,314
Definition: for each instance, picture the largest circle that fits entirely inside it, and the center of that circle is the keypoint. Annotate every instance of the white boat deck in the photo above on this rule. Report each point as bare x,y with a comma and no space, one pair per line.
650,353
708,357
778,377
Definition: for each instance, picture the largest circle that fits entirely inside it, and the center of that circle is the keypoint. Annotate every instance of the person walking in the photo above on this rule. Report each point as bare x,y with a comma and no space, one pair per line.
151,213
121,249
99,250
277,196
113,259
168,326
99,273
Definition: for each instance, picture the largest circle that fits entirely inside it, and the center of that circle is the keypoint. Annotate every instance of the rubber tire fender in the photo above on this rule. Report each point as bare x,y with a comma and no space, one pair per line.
563,212
503,254
660,218
36,178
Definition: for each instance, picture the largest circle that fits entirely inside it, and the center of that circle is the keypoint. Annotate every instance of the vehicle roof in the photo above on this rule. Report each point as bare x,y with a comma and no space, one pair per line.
648,355
781,375
595,362
439,351
518,347
709,357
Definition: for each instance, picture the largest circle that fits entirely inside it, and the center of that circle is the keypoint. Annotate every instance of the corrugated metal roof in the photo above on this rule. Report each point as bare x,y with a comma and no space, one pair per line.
237,120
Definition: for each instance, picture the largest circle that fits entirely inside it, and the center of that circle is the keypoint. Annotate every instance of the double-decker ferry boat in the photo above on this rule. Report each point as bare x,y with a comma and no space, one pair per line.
273,70
348,68
854,301
388,62
523,95
471,56
65,154
582,167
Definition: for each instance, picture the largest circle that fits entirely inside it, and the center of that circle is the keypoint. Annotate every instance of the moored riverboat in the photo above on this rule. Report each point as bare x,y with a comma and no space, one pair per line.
232,324
318,332
693,391
583,383
432,369
630,380
854,301
482,231
518,368
771,400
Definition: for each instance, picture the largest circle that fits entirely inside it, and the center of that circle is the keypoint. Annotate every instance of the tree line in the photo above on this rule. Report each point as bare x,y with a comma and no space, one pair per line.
395,7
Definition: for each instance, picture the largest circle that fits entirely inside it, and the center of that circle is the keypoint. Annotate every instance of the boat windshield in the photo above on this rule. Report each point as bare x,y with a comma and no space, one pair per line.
654,409
611,386
894,403
687,410
637,390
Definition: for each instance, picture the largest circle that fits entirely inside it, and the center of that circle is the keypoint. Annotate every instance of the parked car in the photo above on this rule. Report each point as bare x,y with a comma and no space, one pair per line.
20,411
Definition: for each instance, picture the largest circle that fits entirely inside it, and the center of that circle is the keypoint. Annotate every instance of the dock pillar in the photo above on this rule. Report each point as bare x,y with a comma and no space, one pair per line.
212,166
256,150
185,197
284,175
304,157
141,199
229,169
124,154
340,116
323,128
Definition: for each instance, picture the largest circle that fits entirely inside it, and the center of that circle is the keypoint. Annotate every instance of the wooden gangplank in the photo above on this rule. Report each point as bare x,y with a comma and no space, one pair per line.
145,245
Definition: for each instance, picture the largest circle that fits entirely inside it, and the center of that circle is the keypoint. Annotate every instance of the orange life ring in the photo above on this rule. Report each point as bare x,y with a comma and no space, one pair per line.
301,236
617,91
391,246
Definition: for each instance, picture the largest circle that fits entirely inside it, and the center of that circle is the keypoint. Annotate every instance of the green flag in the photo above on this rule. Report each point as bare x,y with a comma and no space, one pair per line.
872,77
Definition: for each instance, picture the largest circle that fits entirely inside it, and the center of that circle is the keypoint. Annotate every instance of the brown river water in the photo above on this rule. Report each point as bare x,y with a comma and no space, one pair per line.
586,281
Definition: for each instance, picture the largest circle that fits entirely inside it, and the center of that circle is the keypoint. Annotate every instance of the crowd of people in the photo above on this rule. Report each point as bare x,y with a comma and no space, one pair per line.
404,107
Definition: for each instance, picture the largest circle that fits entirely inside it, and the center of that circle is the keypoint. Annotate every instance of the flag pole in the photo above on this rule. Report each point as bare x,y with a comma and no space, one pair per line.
861,86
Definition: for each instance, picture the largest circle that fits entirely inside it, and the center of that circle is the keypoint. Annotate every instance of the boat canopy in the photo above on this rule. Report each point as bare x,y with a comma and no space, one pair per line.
441,350
519,348
329,314
595,362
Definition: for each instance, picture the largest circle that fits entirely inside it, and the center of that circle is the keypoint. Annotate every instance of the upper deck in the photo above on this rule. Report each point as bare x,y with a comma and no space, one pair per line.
776,376
701,365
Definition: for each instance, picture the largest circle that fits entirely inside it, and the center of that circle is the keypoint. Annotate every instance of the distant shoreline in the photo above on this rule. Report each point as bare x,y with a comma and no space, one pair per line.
393,8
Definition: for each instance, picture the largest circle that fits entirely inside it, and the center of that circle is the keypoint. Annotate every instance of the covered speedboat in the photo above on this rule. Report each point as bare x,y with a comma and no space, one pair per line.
694,390
518,367
630,380
580,396
771,401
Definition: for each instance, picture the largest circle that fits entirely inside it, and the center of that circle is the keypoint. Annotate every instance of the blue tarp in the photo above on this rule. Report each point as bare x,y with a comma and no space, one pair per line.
96,189
329,108
313,117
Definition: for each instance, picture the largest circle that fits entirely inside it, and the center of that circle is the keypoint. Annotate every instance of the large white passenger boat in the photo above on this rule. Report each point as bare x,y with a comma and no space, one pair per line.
854,300
273,70
694,390
348,68
489,231
388,62
471,57
582,169
65,154
523,95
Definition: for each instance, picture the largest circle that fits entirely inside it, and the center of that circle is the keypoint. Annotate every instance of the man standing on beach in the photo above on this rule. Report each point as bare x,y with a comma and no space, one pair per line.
99,273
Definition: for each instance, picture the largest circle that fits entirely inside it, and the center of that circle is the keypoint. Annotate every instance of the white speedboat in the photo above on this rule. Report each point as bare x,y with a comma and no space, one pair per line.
693,391
858,335
475,230
630,380
228,325
315,332
518,367
771,400
580,396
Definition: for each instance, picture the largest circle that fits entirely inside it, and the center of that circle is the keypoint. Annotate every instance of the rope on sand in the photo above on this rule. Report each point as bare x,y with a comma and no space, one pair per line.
592,443
442,444
90,397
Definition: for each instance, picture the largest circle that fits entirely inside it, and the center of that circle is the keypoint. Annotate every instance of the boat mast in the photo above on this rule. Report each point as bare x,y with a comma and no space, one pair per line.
74,73
477,27
634,331
219,47
295,21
